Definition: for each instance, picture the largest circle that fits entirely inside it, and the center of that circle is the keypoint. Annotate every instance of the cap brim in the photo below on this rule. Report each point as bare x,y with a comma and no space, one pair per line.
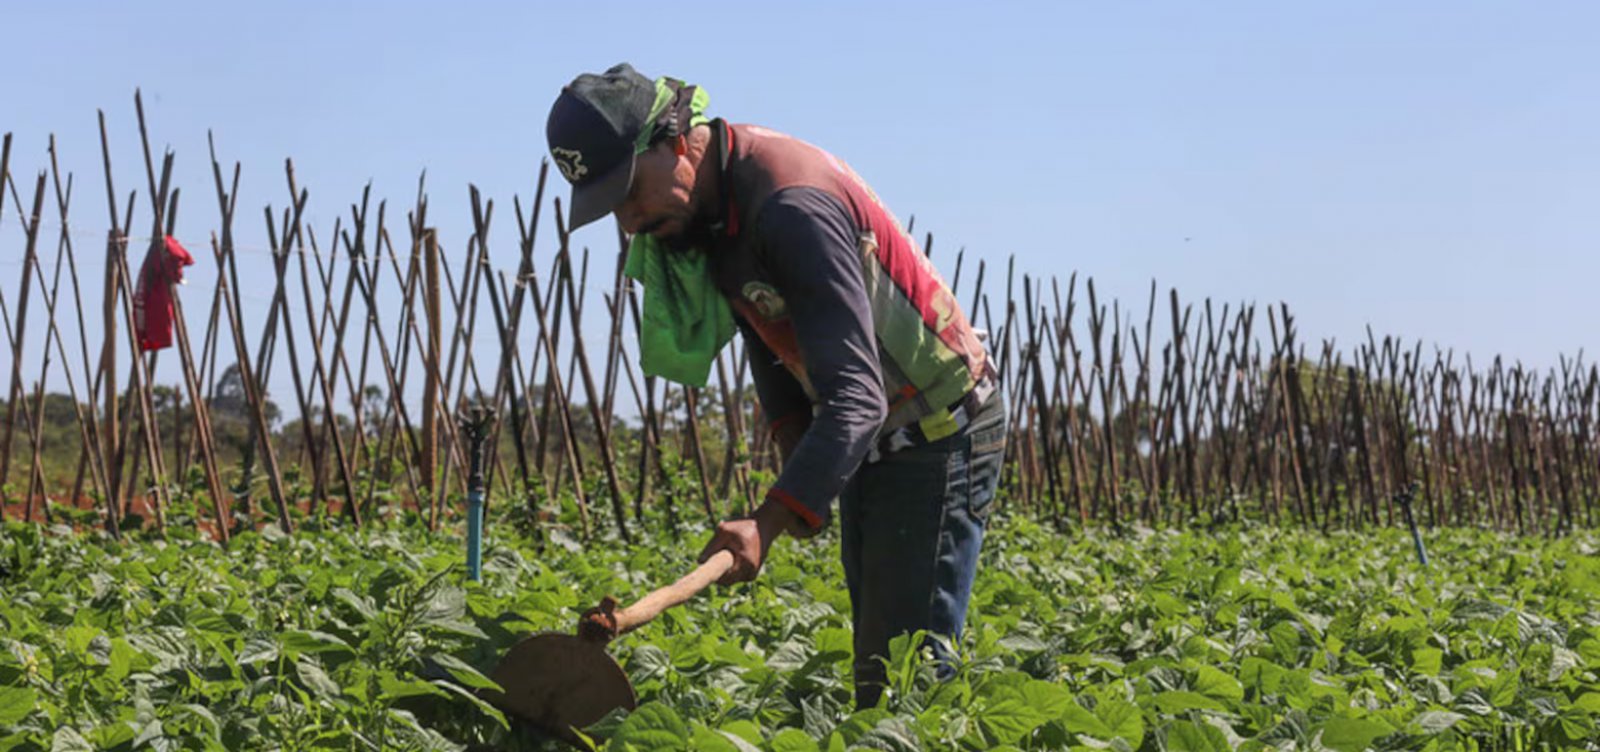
593,199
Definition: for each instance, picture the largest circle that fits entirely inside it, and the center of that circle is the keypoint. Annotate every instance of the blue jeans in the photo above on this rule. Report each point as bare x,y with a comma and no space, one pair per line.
912,524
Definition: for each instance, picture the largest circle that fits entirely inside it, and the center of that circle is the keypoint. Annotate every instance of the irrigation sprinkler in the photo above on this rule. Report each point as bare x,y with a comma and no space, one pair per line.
475,422
1404,500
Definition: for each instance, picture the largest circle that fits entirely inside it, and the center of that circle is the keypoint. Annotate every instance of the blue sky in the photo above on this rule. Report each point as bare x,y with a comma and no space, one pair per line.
1431,168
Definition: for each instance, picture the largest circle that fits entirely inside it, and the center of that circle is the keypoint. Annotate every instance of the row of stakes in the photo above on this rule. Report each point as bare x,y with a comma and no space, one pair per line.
476,420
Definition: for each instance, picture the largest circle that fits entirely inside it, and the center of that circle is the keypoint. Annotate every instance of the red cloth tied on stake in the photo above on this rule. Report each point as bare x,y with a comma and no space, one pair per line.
152,298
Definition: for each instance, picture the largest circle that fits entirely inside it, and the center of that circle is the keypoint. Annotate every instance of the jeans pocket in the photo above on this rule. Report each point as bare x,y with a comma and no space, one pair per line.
985,455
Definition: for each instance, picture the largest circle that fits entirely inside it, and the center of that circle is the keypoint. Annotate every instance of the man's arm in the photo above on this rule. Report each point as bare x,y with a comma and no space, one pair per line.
783,400
809,245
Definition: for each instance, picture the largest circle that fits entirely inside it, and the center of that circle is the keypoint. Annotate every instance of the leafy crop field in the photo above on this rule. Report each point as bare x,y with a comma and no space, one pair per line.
1253,638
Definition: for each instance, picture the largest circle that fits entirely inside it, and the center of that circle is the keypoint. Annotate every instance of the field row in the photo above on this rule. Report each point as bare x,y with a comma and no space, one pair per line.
1236,638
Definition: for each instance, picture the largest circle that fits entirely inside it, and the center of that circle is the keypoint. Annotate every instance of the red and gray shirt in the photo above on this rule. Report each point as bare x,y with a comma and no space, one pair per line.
846,321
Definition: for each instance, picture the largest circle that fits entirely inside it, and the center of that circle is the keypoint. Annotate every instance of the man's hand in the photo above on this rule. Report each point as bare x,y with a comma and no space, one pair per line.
599,624
748,538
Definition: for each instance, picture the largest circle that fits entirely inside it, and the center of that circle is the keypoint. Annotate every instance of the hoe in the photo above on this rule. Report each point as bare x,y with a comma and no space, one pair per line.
562,682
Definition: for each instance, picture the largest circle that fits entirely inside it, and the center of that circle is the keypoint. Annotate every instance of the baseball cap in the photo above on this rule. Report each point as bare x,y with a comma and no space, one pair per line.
592,129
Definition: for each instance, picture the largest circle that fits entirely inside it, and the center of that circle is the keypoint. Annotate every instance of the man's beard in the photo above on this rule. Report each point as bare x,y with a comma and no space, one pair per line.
696,235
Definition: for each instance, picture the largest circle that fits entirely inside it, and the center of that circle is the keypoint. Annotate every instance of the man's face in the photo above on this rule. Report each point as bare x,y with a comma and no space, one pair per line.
660,202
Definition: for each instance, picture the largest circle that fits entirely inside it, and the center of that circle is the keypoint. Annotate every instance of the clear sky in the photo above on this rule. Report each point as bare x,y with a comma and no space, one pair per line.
1429,168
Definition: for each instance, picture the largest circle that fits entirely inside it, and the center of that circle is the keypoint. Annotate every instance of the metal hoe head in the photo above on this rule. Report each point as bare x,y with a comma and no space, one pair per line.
560,682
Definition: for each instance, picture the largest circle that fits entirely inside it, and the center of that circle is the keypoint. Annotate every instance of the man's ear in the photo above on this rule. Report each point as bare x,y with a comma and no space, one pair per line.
680,145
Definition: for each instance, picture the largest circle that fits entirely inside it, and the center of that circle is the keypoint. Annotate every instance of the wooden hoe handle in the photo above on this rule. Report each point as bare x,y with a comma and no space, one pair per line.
646,609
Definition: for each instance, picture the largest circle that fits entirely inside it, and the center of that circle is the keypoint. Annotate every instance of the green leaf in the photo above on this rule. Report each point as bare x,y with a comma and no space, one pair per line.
77,637
1110,719
1473,702
1048,698
1589,651
1427,661
120,662
1561,660
739,742
206,719
67,739
893,734
394,687
1122,719
1435,721
1503,690
1261,674
114,735
460,627
1212,682
301,642
464,673
789,655
1178,701
818,716
361,605
151,732
1081,720
955,692
488,710
704,739
792,740
1576,725
1010,719
1285,639
651,726
315,679
446,609
648,662
1352,734
834,639
1165,603
744,729
607,726
99,650
859,723
1189,736
16,703
258,649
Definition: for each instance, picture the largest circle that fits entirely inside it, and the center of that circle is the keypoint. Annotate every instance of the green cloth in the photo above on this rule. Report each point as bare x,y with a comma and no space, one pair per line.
685,320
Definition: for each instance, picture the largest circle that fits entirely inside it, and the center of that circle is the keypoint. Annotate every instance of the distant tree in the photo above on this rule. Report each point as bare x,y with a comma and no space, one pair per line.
230,412
373,405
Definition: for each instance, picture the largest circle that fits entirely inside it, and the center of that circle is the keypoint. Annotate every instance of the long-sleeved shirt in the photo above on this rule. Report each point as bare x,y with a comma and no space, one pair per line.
808,243
844,317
